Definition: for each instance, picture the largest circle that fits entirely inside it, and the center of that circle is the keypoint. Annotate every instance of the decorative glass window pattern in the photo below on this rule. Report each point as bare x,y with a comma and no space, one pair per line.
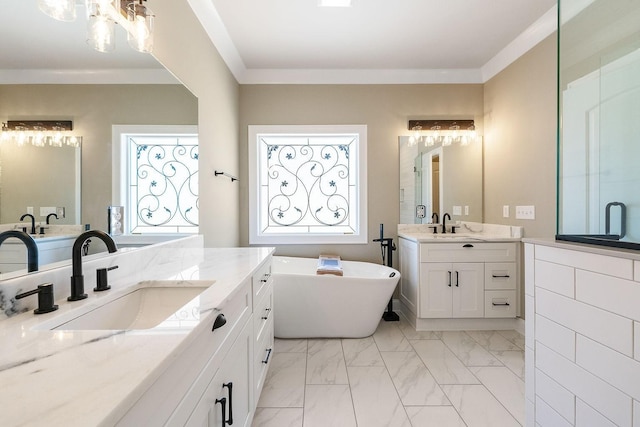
309,185
163,183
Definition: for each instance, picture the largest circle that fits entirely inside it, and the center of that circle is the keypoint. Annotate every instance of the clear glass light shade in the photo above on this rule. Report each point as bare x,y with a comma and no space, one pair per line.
140,34
62,10
101,15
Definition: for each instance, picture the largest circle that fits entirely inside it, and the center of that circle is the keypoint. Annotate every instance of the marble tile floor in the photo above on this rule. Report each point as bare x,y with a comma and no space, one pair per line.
396,377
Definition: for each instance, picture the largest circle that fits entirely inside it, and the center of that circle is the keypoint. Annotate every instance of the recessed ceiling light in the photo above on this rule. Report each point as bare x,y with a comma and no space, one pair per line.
334,3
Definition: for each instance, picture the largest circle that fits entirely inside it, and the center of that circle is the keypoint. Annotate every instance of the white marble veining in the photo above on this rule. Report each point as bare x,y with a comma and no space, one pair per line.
404,390
467,231
284,386
325,362
93,377
389,338
467,350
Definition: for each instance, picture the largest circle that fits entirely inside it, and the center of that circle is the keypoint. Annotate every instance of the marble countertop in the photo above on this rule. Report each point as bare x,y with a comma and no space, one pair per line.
467,232
93,377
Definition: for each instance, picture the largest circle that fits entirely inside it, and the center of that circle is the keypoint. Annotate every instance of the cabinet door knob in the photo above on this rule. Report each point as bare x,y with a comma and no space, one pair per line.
219,322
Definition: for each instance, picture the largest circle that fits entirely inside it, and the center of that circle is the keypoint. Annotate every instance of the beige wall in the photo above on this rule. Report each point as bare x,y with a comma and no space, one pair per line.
94,109
385,109
183,47
520,140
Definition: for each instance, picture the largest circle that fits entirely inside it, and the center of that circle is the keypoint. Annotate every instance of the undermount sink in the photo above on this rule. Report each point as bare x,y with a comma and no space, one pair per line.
146,306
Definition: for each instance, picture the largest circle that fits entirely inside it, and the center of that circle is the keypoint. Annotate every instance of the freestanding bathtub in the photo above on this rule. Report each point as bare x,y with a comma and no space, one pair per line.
307,305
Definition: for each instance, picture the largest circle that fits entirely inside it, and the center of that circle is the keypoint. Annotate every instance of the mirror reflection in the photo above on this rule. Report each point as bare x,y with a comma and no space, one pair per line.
438,179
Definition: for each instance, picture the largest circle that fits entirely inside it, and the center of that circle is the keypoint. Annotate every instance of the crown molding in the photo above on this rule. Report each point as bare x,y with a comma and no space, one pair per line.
102,76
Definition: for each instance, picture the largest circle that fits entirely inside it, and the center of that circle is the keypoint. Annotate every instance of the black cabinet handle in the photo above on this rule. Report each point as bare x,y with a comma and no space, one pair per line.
265,361
449,284
219,322
457,280
223,406
265,277
468,245
500,304
265,317
229,385
498,276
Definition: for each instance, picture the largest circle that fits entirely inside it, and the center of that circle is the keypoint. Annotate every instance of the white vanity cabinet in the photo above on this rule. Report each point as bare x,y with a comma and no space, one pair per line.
195,387
465,279
451,290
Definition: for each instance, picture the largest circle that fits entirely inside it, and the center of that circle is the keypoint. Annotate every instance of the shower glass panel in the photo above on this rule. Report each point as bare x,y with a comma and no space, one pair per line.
599,117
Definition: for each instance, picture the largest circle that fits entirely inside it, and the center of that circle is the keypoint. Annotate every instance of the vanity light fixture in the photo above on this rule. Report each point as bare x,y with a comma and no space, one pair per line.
101,24
140,31
55,133
444,132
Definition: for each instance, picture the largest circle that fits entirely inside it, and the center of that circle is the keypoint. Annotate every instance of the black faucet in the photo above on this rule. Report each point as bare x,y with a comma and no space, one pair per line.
33,222
50,215
77,279
32,247
444,222
437,219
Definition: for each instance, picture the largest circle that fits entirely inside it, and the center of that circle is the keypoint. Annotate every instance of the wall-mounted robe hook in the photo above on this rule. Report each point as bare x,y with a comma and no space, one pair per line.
233,178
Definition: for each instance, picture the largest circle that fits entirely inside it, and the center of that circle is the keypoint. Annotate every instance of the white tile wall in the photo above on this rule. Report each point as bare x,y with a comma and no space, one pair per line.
603,326
555,336
586,416
605,291
605,398
529,273
555,277
617,267
611,366
586,347
547,417
559,398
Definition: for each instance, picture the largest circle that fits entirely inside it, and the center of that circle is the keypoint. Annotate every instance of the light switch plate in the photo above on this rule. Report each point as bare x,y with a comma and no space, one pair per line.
60,212
466,210
505,211
457,210
525,212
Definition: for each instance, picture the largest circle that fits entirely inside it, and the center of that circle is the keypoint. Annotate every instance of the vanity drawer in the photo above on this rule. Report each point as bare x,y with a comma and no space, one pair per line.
500,275
263,353
500,304
263,313
260,279
468,252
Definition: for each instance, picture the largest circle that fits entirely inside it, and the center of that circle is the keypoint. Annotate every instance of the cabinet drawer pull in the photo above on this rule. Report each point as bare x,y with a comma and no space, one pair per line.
468,245
457,279
500,276
265,277
219,322
223,407
500,304
265,361
449,284
265,317
229,385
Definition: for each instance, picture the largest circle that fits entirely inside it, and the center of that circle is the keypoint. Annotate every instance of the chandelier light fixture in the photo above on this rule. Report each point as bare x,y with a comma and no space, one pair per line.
62,10
442,132
55,133
103,15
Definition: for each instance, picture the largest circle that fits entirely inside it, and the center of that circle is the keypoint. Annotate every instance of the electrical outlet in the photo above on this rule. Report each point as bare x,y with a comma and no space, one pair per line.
505,211
30,210
466,210
525,212
457,210
60,212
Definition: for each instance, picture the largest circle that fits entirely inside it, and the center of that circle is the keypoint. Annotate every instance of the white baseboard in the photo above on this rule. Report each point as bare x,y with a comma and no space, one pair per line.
481,324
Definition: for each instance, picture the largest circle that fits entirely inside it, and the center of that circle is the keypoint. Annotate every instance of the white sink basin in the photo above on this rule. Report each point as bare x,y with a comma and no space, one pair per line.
146,306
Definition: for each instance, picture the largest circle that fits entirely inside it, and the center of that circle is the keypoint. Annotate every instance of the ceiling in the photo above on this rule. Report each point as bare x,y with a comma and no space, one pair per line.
295,41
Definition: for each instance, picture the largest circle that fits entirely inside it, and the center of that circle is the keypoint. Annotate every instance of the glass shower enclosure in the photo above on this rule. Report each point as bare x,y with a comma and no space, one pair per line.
599,122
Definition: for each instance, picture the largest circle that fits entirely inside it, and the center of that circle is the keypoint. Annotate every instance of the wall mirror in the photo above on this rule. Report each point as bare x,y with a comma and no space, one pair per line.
136,102
598,92
443,179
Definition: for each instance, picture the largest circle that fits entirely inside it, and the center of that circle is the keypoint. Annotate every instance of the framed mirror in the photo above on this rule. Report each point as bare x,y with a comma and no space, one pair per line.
438,179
